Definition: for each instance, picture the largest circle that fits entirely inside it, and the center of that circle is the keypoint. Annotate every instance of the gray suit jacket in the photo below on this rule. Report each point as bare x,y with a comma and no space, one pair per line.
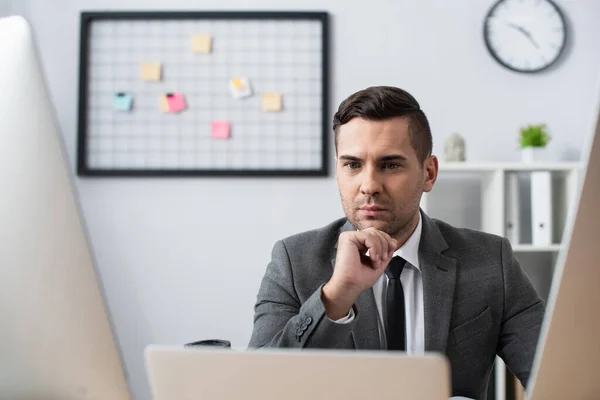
478,302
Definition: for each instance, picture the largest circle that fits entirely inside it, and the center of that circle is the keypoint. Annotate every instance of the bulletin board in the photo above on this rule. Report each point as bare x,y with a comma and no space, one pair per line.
203,93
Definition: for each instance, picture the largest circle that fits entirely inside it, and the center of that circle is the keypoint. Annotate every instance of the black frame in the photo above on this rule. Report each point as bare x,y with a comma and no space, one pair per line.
87,18
524,71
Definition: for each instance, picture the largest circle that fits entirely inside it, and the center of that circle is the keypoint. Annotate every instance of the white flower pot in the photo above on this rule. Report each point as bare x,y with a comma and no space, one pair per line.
532,154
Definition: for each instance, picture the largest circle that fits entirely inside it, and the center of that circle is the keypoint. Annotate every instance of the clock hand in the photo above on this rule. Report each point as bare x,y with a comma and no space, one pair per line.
517,27
524,32
531,38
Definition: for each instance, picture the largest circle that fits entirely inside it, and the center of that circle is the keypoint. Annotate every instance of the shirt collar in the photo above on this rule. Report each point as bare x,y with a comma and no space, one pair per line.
410,249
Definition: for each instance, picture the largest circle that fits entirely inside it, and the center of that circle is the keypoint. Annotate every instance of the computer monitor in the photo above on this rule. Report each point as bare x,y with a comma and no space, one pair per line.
568,354
56,340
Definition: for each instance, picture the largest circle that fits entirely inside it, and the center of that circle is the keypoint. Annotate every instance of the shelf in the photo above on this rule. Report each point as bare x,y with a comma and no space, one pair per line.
524,248
506,166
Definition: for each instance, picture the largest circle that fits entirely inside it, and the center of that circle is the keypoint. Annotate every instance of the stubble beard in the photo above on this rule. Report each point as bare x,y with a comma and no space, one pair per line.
397,225
394,226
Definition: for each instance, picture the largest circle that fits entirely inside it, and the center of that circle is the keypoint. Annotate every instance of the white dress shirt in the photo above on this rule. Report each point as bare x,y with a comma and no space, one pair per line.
412,285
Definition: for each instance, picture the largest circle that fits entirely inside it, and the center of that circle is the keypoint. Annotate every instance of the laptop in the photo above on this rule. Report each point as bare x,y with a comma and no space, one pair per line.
185,373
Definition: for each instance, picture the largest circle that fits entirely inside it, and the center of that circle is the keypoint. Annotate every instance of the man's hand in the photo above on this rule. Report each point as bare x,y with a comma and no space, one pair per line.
354,271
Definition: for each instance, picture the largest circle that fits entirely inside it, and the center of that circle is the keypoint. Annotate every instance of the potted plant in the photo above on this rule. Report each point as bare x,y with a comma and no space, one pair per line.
533,141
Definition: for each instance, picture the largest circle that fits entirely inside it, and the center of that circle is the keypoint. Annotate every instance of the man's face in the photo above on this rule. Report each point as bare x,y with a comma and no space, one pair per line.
379,175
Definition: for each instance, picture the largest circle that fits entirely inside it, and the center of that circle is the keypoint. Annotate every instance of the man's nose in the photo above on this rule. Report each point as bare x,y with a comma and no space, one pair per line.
371,183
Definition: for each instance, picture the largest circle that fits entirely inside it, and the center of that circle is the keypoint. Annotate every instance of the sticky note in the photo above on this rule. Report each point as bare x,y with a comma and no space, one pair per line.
201,43
172,103
220,130
240,87
176,102
271,101
237,83
164,104
151,71
122,102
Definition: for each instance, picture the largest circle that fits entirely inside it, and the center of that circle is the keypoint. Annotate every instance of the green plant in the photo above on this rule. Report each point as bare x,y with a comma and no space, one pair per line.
534,136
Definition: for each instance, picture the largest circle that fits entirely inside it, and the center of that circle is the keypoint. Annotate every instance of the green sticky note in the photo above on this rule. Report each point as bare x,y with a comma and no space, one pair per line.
123,102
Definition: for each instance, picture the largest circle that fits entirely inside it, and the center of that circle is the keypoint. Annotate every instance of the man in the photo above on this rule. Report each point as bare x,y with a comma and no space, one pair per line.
388,276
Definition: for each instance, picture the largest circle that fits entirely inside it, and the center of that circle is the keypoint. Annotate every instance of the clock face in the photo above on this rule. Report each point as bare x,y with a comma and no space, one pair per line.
525,35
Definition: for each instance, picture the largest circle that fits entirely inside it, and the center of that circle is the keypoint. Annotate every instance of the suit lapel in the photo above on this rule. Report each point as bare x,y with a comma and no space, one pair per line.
366,330
439,281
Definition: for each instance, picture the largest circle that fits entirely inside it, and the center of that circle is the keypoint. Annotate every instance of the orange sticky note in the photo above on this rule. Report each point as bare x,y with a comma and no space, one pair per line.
271,101
164,104
220,130
201,43
151,71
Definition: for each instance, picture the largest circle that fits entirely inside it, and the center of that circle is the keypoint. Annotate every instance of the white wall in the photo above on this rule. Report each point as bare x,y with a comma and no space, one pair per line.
5,8
11,7
181,259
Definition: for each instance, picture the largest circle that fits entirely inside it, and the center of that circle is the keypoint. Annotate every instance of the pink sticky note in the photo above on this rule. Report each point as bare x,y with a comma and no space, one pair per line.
176,102
220,130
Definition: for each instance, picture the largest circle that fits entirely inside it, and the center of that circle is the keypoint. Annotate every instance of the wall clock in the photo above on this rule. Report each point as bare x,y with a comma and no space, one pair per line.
525,35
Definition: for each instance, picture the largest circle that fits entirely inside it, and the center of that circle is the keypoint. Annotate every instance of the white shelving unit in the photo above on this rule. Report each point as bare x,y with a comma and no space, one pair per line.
480,196
530,248
475,195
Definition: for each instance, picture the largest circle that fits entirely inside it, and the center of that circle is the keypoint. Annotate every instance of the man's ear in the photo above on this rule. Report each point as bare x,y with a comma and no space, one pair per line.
430,172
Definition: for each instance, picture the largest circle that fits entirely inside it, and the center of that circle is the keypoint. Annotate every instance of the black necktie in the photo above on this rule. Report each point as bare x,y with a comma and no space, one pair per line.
395,318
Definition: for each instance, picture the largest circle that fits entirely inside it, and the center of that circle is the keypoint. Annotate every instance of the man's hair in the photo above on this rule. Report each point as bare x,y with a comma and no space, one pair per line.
379,103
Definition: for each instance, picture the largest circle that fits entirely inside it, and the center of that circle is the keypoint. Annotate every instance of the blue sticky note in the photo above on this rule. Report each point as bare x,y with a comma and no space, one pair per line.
123,102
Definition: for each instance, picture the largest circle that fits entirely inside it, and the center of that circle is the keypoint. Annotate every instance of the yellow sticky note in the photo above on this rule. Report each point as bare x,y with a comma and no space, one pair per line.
237,83
164,104
202,43
151,71
240,87
271,101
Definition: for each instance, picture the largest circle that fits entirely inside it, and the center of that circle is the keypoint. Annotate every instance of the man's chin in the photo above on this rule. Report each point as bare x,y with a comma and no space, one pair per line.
378,224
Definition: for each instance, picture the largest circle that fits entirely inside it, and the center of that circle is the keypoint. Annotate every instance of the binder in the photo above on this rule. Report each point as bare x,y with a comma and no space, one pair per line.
513,216
541,208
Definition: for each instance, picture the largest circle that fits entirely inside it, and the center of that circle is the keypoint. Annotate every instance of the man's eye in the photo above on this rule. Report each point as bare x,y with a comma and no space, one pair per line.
391,166
352,165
